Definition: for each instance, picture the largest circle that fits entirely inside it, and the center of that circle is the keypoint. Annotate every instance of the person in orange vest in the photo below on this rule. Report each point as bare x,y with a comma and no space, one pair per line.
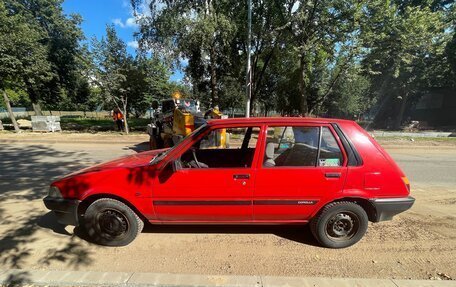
117,116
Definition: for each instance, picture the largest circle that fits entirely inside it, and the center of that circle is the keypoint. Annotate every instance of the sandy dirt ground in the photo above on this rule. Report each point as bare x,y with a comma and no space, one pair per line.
418,244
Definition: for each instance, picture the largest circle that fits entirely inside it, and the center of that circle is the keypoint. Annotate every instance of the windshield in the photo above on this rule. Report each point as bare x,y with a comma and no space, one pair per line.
159,157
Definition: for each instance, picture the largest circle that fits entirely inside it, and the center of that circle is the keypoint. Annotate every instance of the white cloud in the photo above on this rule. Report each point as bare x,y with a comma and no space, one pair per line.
133,44
144,9
118,22
129,23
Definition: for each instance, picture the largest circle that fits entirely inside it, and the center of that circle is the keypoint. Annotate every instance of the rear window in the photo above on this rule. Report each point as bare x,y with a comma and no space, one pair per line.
301,146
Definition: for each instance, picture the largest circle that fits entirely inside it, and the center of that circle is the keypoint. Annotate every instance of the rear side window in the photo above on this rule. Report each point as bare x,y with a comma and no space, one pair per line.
330,153
301,146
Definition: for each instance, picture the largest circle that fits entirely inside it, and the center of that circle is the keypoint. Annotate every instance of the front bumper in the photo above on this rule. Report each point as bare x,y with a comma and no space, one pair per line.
66,210
386,208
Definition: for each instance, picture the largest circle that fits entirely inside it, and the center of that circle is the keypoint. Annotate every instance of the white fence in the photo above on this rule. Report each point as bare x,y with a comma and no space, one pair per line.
81,114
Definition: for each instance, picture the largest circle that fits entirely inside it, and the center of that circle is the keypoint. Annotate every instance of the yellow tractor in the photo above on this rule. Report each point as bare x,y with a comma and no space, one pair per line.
176,118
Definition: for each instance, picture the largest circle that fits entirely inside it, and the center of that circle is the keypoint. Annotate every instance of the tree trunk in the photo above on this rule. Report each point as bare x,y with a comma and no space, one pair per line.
214,93
400,114
33,98
127,130
37,109
10,112
1,126
303,109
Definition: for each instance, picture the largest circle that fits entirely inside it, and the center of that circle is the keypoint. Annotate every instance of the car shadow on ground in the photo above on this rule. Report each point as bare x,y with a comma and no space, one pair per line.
25,173
299,234
296,233
49,221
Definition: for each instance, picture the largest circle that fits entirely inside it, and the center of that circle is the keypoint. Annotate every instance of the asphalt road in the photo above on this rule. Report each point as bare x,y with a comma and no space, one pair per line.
427,166
418,244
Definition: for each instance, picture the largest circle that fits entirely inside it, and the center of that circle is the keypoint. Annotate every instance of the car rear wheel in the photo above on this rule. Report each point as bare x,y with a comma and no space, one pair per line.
340,224
111,222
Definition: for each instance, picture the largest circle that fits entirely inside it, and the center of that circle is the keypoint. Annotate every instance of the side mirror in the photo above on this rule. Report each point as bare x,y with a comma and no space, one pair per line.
154,104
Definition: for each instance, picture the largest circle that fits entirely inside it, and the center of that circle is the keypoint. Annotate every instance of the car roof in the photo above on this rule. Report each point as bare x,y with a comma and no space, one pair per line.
276,120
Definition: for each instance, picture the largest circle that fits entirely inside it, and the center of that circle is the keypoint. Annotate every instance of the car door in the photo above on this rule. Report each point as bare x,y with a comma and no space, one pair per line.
303,165
213,180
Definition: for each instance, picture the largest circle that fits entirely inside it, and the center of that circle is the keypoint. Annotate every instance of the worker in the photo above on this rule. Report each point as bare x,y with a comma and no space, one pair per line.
117,116
209,114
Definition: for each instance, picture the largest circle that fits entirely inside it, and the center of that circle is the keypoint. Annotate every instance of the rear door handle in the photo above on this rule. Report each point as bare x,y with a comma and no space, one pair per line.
332,174
241,176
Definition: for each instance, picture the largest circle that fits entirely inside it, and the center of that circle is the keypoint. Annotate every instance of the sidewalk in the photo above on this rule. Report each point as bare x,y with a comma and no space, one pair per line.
18,277
419,134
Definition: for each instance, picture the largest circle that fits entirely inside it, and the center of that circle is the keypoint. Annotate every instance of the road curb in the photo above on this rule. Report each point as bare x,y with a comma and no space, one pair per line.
21,277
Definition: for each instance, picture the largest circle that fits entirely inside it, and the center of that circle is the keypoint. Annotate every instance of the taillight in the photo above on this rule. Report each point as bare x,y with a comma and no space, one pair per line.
406,182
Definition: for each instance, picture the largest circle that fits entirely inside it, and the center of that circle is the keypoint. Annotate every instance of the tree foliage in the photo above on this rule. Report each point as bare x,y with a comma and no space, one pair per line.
126,82
342,58
345,58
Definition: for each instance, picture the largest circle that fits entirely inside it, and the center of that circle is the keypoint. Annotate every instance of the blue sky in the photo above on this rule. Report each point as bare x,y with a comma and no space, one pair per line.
97,13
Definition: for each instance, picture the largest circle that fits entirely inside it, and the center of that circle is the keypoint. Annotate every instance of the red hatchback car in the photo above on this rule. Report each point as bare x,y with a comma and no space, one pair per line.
326,172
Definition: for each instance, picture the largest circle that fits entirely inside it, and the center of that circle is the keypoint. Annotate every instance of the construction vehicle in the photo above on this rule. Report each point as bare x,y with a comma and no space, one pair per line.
176,118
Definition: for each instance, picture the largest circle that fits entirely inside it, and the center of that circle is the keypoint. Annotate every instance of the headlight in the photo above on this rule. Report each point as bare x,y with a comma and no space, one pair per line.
54,192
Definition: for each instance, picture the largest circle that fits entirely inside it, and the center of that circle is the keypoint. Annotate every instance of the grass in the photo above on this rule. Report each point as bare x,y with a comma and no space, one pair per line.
84,124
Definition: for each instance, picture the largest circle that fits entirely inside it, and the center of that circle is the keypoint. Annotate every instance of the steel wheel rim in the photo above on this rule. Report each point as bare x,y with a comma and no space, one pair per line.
112,223
342,226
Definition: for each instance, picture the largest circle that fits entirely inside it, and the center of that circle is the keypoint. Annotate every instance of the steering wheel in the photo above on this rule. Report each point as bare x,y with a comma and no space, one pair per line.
194,157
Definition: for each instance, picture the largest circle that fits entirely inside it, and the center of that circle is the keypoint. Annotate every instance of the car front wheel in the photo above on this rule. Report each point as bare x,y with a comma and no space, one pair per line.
111,222
340,224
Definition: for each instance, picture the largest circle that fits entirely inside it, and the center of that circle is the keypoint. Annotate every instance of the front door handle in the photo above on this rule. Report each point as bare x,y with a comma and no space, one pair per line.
332,174
241,176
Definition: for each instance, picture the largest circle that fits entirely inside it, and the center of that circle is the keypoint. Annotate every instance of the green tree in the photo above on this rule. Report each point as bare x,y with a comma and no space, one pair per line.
56,37
319,29
23,59
130,83
403,44
147,79
112,64
194,30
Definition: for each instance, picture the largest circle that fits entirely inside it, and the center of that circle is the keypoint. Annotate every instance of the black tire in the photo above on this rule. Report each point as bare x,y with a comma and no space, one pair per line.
110,222
339,224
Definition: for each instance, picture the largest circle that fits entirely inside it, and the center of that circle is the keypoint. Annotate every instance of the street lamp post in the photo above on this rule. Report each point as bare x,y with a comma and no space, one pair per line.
249,71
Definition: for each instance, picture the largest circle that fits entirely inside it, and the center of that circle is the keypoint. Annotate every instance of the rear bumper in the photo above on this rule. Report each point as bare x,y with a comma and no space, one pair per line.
388,207
66,210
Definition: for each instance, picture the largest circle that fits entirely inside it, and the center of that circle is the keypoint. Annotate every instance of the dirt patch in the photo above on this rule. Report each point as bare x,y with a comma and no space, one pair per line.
418,244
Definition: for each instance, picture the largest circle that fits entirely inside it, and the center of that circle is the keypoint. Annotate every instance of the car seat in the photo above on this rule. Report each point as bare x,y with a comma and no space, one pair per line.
269,155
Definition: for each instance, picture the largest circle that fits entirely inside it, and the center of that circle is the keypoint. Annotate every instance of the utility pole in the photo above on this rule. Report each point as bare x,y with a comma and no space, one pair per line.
248,79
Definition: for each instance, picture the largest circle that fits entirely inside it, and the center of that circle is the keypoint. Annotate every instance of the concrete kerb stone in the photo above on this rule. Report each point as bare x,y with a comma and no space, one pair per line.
19,277
424,283
63,278
324,282
171,280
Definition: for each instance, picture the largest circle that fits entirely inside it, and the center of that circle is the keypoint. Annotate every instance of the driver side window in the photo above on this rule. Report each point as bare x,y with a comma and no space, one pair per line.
223,148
